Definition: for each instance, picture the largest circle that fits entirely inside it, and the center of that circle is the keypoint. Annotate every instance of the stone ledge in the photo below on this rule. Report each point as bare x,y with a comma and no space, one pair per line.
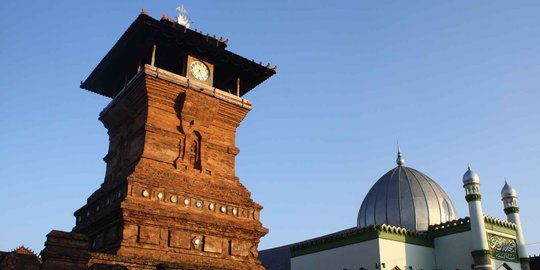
182,81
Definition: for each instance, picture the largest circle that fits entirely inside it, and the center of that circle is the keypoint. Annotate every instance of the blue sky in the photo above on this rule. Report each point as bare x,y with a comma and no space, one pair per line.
454,81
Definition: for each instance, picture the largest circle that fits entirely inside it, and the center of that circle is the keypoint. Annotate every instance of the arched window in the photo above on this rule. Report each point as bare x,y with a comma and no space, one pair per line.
195,151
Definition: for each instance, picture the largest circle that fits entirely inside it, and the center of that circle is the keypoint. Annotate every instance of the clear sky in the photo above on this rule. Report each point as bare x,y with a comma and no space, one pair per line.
454,81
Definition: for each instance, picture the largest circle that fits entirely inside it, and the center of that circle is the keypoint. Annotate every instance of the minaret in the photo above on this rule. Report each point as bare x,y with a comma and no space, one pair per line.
511,209
480,253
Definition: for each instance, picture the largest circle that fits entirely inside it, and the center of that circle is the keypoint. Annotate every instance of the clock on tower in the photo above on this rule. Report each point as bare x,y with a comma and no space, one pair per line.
200,70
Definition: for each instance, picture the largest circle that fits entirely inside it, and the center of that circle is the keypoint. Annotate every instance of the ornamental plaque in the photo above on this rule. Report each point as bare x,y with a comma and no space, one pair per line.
502,247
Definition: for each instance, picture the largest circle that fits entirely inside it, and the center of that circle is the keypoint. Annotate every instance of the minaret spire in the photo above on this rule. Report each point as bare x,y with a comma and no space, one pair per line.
400,160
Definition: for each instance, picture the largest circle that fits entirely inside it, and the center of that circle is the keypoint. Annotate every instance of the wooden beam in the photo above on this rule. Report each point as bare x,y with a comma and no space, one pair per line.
238,86
152,62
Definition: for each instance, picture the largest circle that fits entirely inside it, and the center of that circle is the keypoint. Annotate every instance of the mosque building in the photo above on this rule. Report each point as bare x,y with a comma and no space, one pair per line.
407,221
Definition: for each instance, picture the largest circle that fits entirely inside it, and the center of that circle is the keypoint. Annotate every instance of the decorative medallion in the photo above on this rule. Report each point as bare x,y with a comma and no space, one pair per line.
146,193
196,241
211,206
160,195
199,204
223,209
502,247
235,211
174,198
186,201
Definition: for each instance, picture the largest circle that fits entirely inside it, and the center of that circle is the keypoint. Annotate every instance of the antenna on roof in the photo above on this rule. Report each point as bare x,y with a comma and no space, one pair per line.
182,17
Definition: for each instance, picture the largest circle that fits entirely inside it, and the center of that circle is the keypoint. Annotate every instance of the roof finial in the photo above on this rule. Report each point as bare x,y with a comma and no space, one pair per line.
400,160
182,17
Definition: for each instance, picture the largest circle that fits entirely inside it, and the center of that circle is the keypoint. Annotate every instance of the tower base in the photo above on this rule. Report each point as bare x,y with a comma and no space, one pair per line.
69,251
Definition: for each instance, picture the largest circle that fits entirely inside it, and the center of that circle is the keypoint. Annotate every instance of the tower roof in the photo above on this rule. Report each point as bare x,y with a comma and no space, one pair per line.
406,198
134,49
508,191
470,177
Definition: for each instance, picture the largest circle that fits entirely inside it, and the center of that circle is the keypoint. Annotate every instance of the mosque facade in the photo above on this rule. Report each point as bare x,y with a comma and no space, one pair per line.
407,221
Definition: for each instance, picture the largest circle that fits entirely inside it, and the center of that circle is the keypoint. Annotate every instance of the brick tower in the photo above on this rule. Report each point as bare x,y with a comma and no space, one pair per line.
170,197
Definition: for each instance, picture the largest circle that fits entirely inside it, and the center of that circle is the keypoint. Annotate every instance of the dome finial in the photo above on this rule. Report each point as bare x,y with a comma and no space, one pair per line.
400,160
470,177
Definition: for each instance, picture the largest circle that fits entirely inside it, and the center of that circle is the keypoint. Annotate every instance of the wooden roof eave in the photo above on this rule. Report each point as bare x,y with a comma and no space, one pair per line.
102,80
92,83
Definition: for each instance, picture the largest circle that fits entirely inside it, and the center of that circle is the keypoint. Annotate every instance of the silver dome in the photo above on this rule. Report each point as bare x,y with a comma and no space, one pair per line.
406,198
470,177
508,191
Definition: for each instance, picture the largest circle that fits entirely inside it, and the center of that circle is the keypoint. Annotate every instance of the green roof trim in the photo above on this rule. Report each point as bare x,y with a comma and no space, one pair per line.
499,225
464,224
450,227
355,235
408,238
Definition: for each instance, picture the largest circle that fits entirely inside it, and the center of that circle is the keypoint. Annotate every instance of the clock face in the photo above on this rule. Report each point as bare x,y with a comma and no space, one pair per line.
199,70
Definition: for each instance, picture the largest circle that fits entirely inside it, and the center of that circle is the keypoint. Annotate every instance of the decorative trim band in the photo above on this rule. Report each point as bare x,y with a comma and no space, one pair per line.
481,253
473,197
511,210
